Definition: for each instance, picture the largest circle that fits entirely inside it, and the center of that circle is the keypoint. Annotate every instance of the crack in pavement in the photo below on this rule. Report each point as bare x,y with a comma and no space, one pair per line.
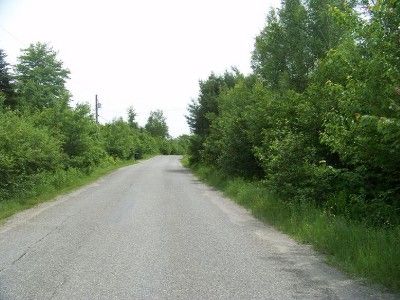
57,288
29,248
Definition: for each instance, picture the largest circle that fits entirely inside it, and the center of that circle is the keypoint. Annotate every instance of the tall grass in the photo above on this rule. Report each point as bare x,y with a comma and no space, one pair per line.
370,253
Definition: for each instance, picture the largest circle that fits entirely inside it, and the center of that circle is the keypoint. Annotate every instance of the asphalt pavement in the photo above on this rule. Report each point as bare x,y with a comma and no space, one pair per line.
153,231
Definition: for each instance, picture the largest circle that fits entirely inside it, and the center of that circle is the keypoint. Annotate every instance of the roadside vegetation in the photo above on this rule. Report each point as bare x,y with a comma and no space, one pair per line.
48,146
310,141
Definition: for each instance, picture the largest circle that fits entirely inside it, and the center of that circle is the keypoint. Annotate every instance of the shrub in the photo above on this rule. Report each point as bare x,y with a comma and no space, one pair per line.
120,140
78,133
25,153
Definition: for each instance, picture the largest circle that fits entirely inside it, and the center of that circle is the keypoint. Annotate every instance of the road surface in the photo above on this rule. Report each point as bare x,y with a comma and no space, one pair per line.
153,231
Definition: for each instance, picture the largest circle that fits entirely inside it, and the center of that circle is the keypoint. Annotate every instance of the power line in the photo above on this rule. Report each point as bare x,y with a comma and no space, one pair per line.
12,35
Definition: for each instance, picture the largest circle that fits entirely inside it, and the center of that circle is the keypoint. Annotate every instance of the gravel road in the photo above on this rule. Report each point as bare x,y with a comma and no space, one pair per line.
153,231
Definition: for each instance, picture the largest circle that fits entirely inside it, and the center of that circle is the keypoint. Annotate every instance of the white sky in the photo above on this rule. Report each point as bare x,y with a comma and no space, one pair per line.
148,54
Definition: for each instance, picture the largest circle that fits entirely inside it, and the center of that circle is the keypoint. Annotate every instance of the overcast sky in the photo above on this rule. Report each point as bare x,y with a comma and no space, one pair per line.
148,54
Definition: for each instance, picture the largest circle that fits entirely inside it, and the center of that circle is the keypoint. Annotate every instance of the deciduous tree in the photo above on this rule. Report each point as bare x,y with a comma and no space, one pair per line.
156,124
40,78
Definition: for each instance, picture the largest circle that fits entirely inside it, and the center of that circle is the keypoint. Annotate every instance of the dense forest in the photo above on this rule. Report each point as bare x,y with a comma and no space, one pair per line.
45,142
318,120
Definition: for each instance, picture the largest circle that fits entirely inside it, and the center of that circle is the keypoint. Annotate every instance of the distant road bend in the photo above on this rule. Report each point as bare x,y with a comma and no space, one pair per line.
153,231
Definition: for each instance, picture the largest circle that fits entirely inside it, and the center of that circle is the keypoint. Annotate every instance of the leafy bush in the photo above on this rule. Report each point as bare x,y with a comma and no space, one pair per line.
319,120
45,143
78,133
26,152
146,145
120,140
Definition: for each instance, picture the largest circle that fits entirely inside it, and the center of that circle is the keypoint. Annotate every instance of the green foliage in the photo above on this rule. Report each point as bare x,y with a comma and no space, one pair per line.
56,183
176,146
181,144
371,253
26,152
147,145
202,111
195,149
156,125
45,144
328,21
166,147
40,78
205,109
296,36
319,120
76,130
2,101
6,84
120,140
132,118
233,135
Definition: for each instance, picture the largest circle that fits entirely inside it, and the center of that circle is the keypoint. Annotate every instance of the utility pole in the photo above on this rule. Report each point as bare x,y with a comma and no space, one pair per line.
97,106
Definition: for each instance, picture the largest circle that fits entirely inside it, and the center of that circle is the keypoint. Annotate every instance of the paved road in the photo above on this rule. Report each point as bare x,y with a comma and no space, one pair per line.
152,231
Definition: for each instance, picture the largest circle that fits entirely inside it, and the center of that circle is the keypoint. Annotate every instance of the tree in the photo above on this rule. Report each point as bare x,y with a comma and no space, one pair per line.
202,111
281,54
6,85
295,38
230,144
40,78
120,140
156,124
78,133
323,26
26,153
269,55
364,128
206,108
132,118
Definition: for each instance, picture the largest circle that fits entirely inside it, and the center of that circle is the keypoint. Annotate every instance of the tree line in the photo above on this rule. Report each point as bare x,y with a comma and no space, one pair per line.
44,140
318,119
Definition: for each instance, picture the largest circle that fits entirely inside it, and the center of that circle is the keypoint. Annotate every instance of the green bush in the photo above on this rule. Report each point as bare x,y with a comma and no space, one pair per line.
319,120
45,144
120,140
146,145
26,152
77,132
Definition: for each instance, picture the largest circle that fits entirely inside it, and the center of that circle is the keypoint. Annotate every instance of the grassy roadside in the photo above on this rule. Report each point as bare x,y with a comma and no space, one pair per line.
370,253
62,182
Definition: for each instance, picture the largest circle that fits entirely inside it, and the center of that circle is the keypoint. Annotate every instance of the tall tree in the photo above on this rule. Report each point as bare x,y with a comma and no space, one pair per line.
40,78
6,85
206,108
281,53
295,38
120,140
269,55
132,118
324,29
156,124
